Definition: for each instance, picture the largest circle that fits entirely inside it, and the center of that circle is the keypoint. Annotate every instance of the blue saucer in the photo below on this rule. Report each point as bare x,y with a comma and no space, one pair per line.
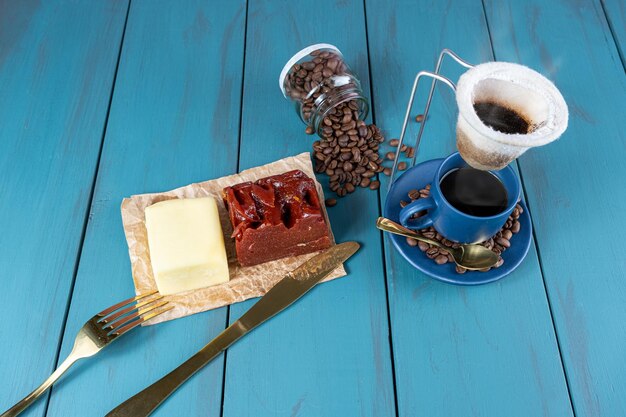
520,242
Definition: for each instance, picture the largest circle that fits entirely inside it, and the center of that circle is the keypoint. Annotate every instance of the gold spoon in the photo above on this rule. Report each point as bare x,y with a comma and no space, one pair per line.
468,256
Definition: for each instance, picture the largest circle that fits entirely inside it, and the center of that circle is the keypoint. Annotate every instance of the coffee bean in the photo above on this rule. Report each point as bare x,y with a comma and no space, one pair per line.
368,174
414,194
394,142
374,185
423,246
441,259
515,227
432,252
503,242
350,187
430,235
309,130
330,202
401,166
460,270
403,203
365,182
390,155
507,234
411,241
499,263
410,152
387,171
419,118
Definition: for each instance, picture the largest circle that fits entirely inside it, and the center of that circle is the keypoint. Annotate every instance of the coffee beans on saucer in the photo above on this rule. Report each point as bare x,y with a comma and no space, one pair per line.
497,244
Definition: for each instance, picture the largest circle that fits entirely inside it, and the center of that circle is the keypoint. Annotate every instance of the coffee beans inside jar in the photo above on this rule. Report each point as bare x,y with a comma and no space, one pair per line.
498,243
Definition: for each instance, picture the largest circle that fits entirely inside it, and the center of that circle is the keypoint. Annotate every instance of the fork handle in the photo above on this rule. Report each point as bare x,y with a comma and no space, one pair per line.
32,397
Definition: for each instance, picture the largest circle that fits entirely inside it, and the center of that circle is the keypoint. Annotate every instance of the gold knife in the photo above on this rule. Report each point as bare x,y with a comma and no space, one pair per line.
293,286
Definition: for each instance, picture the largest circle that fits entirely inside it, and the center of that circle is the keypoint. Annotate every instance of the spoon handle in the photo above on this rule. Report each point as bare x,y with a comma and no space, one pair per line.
390,226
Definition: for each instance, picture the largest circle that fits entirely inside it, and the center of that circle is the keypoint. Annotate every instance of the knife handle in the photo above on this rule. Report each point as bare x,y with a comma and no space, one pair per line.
146,401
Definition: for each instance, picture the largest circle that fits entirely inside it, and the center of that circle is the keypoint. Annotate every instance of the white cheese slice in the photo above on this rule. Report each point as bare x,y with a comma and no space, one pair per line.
186,244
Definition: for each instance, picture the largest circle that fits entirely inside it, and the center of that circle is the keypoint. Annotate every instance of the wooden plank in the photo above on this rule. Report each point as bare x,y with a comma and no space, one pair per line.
576,189
615,11
57,62
174,120
328,355
459,351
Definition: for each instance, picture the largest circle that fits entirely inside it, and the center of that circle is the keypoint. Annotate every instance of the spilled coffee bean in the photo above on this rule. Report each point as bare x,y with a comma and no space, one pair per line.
497,244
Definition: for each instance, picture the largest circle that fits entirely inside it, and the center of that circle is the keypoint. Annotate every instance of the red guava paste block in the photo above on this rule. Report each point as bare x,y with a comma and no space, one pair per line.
276,217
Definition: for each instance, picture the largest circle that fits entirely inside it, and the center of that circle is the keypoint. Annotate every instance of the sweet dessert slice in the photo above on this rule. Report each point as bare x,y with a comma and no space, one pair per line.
186,244
276,217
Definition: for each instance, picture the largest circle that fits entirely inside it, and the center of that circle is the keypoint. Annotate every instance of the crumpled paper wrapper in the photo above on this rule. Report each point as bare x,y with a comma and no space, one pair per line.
245,282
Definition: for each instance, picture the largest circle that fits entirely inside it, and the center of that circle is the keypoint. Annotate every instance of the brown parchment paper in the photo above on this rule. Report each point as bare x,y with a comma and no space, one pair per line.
245,282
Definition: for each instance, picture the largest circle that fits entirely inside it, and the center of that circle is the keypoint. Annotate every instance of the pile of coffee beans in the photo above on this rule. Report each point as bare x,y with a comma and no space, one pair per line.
348,150
497,244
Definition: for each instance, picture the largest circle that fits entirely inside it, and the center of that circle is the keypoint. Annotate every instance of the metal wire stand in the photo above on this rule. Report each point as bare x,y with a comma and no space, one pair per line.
436,77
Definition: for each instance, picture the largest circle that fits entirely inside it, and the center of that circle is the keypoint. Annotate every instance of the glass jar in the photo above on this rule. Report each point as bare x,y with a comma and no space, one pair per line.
316,80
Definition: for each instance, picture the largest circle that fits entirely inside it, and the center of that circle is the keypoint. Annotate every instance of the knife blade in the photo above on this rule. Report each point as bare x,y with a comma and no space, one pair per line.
293,286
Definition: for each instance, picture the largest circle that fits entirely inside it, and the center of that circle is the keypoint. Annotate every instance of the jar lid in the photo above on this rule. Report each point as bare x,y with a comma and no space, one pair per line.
298,56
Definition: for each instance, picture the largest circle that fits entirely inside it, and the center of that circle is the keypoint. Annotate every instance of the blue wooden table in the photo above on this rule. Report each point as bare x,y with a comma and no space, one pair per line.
100,100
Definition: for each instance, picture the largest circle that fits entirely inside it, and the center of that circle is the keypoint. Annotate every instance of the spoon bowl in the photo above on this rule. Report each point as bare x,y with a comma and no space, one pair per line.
468,256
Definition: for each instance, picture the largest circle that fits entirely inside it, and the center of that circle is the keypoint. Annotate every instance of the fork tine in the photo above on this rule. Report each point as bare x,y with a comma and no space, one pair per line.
112,317
124,303
134,323
112,327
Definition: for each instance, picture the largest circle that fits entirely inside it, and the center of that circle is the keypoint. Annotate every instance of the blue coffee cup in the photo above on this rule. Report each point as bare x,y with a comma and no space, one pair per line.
450,222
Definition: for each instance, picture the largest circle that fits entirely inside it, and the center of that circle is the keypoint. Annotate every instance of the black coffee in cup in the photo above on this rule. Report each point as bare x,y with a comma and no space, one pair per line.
501,118
474,192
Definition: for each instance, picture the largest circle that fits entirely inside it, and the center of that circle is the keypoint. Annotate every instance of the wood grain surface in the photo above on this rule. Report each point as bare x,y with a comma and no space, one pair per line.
576,189
615,11
174,120
102,100
57,62
488,350
328,355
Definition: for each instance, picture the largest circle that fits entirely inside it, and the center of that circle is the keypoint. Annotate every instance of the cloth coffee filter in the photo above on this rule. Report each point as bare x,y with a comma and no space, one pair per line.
515,87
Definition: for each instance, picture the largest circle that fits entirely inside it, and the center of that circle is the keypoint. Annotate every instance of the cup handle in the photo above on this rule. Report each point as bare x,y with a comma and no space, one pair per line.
422,222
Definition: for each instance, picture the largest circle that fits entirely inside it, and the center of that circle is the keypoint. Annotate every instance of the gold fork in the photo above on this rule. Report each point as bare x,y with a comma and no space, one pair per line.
97,333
